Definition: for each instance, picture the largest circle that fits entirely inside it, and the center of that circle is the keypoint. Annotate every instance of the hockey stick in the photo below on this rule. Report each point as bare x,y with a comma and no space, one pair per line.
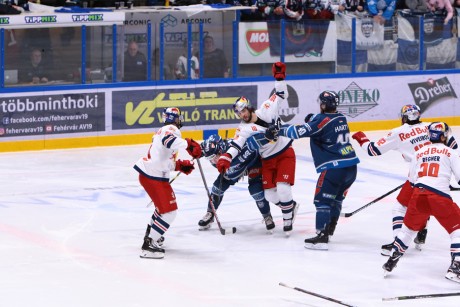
316,294
372,202
454,188
413,297
223,231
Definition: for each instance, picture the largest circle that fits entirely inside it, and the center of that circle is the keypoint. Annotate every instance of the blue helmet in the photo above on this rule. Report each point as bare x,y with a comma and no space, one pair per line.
330,100
170,116
436,130
213,146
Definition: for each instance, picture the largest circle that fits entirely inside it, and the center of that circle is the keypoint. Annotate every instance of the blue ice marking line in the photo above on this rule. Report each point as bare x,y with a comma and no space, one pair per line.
93,197
29,201
139,194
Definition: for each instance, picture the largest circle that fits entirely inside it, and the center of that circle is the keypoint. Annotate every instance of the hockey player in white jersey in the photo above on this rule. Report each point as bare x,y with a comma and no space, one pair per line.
278,158
407,139
432,167
154,171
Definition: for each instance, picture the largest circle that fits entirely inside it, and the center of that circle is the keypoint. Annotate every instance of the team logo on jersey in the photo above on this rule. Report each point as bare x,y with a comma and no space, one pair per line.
355,100
425,93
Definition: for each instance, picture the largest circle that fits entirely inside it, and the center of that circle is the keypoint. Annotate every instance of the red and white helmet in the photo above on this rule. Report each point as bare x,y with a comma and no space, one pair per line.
240,104
410,112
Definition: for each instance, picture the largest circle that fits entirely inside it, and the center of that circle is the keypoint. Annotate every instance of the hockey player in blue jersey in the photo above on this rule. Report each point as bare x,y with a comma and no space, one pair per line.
334,158
248,163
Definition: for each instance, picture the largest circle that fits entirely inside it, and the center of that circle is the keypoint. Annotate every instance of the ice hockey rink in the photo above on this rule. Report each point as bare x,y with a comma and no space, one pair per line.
72,224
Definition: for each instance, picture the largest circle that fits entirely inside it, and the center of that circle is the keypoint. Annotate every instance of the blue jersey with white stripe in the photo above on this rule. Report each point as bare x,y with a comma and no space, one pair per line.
330,140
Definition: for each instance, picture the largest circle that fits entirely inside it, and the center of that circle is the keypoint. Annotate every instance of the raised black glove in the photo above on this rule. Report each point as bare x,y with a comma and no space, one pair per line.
273,130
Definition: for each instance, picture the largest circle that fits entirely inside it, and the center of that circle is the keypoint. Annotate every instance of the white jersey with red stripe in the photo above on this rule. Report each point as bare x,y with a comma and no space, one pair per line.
267,113
434,165
161,157
406,139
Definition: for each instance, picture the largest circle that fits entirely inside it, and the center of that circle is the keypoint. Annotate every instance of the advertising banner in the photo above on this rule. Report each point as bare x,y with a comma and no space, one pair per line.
52,114
90,18
307,45
373,98
205,106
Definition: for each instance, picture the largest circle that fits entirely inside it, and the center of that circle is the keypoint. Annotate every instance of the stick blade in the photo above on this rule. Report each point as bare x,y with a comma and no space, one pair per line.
346,214
228,231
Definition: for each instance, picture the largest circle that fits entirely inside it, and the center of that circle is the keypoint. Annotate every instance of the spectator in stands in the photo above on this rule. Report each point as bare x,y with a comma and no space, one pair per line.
251,14
416,6
293,9
316,9
214,60
356,6
271,9
381,10
167,74
34,71
181,69
135,64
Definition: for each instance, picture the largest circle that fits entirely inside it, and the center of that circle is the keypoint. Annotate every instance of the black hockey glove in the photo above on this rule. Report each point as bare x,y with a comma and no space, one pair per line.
308,117
273,130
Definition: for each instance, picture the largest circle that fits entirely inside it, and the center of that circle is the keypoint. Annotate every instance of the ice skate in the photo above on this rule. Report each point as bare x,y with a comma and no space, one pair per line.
150,250
320,242
386,249
453,273
150,240
391,262
269,223
288,223
332,225
420,239
159,242
206,221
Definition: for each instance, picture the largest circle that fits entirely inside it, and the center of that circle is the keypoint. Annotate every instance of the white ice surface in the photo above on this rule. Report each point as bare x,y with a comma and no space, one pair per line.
72,223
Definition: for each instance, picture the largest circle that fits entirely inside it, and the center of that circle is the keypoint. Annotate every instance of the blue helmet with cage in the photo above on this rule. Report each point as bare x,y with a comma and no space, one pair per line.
172,116
328,101
410,113
240,104
213,146
436,130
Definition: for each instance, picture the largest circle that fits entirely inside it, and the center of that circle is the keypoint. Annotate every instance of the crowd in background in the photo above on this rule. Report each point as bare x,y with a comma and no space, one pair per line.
38,63
381,10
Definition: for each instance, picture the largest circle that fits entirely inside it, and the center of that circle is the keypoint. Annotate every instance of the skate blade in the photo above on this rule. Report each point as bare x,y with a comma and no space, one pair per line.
151,255
418,246
270,231
452,276
204,228
385,252
319,246
385,273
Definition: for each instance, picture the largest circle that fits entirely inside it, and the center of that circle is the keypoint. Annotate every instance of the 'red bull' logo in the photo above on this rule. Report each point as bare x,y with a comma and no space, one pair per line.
257,41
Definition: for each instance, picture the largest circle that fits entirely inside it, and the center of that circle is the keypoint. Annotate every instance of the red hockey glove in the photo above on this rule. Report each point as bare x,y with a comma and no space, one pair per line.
279,71
184,166
360,137
193,148
223,164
